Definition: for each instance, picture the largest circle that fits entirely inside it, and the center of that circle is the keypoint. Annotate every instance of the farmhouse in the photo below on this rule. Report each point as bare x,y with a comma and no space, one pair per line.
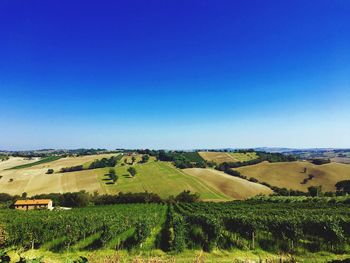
33,204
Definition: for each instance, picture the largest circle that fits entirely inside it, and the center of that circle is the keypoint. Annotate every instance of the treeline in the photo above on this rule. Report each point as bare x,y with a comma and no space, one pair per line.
102,163
262,156
320,161
105,162
263,199
83,198
62,153
343,187
275,157
72,169
180,159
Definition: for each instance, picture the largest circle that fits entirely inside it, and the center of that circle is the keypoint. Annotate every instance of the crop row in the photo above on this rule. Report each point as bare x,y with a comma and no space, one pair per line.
35,228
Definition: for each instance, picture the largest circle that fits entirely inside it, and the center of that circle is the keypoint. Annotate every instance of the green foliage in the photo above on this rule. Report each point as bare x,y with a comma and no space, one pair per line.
50,171
132,171
320,161
343,187
72,169
182,160
105,162
315,190
187,197
4,258
145,158
4,158
39,227
319,224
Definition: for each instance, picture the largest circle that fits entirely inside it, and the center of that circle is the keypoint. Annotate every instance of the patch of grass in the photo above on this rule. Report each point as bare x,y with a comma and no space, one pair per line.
108,255
41,161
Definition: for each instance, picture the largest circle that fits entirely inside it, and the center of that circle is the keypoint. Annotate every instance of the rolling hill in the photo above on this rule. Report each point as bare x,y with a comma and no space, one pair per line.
291,174
234,187
34,180
157,177
161,178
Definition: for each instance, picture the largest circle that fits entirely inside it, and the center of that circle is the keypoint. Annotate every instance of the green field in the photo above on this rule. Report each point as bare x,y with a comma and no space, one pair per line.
161,178
41,161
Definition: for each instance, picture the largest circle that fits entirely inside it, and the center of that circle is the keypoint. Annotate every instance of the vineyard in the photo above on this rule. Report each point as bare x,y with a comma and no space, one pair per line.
244,225
273,227
120,226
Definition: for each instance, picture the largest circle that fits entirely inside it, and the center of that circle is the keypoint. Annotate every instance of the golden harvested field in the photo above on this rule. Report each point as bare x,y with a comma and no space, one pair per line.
14,161
234,187
291,174
34,180
220,157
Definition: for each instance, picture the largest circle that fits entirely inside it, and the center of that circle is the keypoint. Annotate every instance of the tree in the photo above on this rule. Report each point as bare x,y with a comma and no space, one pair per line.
132,171
133,159
24,195
112,175
50,171
343,187
187,197
315,190
145,158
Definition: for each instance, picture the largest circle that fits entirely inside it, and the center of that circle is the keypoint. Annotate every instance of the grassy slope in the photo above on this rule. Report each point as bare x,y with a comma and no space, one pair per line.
161,178
41,161
220,157
234,187
290,174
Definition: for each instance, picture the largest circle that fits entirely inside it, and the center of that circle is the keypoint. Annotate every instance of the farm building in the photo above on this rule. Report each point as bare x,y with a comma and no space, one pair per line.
33,204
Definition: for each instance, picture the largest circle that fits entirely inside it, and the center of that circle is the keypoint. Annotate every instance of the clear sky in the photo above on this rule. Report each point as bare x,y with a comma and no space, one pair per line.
174,74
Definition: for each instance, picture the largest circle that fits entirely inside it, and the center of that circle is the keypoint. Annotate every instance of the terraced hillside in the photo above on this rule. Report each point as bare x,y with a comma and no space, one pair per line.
291,175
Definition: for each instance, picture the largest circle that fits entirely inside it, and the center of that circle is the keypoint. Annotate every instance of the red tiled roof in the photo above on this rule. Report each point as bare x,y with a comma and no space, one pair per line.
33,202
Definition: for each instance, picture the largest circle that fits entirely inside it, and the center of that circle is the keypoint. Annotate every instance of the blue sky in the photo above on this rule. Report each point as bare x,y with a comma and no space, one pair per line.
174,74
